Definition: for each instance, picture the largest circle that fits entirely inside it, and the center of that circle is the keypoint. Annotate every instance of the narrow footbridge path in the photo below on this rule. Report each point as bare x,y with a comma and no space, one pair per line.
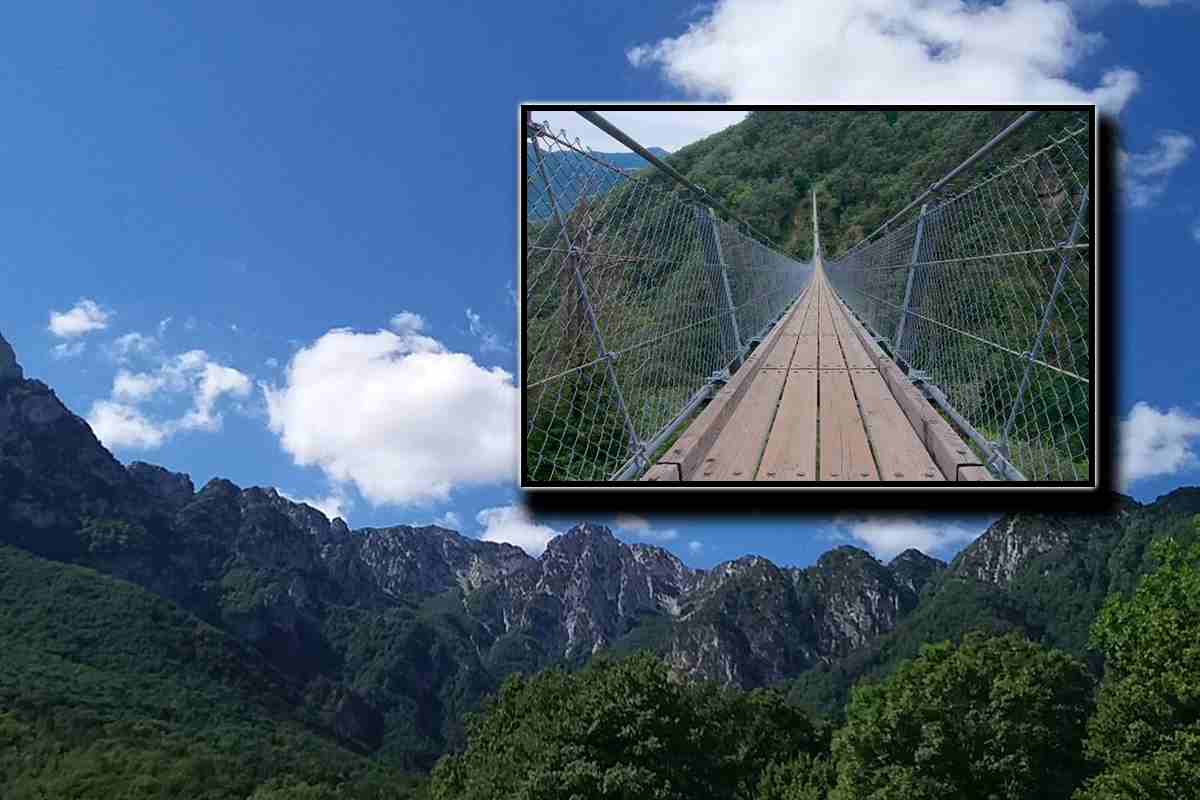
818,401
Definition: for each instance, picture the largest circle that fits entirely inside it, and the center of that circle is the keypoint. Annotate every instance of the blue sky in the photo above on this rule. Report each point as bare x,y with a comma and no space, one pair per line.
296,225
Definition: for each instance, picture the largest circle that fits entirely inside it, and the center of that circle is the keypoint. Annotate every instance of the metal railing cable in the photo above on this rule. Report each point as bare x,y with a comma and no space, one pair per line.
984,297
638,302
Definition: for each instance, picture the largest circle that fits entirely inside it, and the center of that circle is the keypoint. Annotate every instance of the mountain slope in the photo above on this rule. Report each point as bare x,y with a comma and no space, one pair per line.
1046,575
382,638
864,166
106,688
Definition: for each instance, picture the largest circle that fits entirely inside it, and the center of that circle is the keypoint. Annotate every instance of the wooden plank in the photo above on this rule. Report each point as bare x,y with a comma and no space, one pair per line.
852,350
805,356
663,472
825,324
735,455
791,453
830,354
945,446
845,454
809,327
855,354
780,356
689,450
795,323
900,454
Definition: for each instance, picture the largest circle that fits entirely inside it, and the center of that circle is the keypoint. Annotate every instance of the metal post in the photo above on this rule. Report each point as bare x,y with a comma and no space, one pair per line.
816,230
710,238
908,284
573,257
1047,315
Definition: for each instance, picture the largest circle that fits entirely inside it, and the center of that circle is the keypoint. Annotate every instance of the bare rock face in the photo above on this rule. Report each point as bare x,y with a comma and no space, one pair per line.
1006,548
173,489
586,590
10,370
751,623
54,473
914,570
408,561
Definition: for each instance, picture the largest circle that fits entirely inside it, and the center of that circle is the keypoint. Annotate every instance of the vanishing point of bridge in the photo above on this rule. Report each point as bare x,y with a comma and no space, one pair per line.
818,400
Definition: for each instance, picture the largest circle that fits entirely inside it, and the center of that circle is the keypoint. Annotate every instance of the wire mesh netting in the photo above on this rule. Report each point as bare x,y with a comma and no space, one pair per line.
634,300
985,294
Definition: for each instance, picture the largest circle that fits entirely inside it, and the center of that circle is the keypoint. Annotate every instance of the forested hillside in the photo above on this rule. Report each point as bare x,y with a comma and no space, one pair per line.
864,165
107,690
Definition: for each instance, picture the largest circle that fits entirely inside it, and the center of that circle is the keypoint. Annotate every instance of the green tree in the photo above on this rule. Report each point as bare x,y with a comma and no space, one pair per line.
621,729
1146,730
997,717
804,777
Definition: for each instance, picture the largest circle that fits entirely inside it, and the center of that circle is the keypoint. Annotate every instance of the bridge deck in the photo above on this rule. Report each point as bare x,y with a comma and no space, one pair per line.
818,401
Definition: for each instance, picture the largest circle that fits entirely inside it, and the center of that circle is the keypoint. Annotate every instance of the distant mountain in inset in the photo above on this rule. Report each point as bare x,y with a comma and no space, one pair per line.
573,175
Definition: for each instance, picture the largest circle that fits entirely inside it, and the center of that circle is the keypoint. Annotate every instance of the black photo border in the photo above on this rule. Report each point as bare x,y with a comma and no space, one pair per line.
692,497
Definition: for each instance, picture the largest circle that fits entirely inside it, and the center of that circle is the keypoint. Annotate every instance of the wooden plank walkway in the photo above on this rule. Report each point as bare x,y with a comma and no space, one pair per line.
818,401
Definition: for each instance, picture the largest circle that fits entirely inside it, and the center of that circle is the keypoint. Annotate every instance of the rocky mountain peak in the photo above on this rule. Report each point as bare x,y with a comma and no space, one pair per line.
913,569
53,469
911,555
845,554
429,560
173,489
219,487
1012,542
579,538
10,370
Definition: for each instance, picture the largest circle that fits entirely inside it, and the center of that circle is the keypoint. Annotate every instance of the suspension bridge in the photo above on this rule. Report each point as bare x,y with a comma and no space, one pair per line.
666,342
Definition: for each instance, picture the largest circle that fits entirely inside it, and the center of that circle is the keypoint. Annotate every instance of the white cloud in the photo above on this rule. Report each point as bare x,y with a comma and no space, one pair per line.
1144,176
888,536
407,322
69,349
119,422
1196,230
1154,443
124,347
449,520
123,425
669,129
135,387
641,528
162,325
633,523
695,546
898,51
84,317
212,382
488,340
512,524
396,414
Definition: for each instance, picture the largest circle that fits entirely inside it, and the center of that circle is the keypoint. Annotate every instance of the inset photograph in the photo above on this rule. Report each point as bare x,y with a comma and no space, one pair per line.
809,298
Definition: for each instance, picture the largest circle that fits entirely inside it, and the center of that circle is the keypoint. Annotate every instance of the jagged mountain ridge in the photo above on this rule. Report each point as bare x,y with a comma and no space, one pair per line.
412,626
264,566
